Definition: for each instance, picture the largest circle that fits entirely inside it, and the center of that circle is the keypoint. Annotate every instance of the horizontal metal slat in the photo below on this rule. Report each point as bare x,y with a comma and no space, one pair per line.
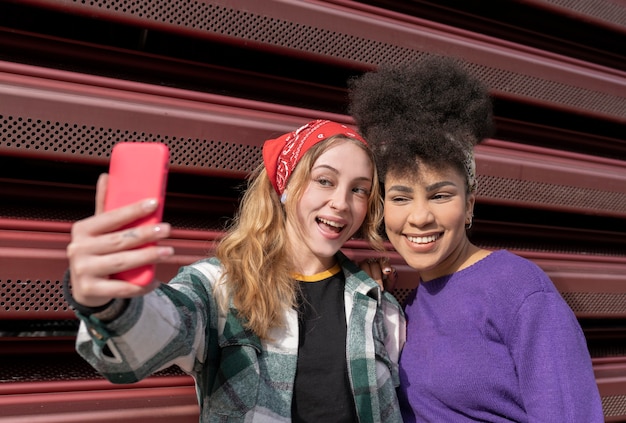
356,35
541,178
74,402
32,264
69,116
79,118
604,12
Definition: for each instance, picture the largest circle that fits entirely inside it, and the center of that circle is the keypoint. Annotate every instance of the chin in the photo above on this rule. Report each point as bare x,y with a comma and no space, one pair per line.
327,252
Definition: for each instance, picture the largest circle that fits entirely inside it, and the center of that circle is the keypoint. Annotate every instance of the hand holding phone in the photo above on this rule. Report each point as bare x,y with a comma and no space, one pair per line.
138,170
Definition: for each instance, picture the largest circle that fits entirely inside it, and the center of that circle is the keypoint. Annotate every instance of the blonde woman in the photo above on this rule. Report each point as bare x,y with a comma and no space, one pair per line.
279,326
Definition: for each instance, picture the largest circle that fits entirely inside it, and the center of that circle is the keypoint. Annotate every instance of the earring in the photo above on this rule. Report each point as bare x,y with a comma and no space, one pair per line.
468,226
283,197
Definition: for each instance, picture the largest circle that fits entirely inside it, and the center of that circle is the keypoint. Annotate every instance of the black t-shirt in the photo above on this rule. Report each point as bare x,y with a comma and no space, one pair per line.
322,389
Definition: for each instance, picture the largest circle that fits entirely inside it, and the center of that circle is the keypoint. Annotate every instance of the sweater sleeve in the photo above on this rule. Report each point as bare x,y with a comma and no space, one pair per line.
168,326
556,377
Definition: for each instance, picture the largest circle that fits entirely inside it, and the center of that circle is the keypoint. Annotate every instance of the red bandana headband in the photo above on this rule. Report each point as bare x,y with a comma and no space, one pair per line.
282,154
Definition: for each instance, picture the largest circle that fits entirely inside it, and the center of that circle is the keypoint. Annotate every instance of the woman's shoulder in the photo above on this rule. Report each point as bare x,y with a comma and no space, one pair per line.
519,273
504,261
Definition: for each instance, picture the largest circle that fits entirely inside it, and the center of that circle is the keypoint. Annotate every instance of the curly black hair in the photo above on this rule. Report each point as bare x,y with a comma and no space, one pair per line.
432,111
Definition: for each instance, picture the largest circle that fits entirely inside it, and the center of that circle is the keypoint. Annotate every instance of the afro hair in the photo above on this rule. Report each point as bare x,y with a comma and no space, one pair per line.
432,111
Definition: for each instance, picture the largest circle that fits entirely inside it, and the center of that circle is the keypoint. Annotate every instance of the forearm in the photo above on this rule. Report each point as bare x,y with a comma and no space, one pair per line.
150,334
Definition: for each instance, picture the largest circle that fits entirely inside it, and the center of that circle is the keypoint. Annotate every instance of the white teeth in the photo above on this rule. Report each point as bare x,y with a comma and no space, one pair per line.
422,239
330,223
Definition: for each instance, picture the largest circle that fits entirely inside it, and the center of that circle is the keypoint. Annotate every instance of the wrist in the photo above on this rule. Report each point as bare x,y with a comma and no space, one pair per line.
113,311
75,305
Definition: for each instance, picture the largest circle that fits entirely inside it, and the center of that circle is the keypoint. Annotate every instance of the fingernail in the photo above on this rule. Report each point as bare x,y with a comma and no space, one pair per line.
387,270
166,251
150,204
160,227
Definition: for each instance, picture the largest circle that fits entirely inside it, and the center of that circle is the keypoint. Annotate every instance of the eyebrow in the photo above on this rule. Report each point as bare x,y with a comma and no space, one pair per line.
438,185
325,166
400,188
432,187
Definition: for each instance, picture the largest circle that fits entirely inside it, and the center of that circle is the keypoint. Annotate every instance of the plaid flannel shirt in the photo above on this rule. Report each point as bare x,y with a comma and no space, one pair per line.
240,378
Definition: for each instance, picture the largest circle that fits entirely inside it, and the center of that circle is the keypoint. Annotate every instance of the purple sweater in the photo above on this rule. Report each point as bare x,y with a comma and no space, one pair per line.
495,342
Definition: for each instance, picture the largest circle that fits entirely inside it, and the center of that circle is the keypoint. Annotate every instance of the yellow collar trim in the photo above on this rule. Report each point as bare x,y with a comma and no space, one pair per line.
318,276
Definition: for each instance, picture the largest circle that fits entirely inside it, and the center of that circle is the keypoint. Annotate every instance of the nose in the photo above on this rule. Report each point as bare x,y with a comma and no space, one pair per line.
339,199
420,215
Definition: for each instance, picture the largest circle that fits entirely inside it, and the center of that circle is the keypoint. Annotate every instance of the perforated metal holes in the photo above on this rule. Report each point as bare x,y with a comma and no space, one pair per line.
401,294
614,405
610,11
340,44
551,195
24,134
596,303
549,91
32,297
37,135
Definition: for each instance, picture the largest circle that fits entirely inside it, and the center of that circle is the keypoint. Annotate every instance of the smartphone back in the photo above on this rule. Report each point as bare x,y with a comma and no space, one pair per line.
137,171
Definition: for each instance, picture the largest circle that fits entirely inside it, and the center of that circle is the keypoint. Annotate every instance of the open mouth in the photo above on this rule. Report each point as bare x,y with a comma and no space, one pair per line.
423,239
330,225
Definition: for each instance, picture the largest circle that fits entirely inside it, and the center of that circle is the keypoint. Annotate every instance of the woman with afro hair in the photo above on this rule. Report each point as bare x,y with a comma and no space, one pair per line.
489,337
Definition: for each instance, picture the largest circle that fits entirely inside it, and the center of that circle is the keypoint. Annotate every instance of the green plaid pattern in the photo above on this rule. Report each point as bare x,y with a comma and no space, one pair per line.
240,378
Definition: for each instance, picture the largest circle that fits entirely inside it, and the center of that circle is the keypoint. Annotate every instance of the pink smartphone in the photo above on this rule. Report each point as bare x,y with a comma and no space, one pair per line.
137,170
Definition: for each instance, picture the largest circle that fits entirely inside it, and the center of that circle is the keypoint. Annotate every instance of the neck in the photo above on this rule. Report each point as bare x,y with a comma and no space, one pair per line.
463,257
312,267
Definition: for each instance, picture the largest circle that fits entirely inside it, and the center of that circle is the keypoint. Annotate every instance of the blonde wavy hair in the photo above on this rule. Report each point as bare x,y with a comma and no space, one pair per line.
255,253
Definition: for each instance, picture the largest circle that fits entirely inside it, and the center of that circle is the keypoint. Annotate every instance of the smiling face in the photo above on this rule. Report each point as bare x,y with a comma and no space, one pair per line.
425,217
332,207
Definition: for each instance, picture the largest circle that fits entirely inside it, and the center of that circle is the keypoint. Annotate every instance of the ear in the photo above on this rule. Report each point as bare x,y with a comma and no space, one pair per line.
469,207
